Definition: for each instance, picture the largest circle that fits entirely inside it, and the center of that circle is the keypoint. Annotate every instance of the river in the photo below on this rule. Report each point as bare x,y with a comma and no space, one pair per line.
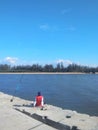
77,92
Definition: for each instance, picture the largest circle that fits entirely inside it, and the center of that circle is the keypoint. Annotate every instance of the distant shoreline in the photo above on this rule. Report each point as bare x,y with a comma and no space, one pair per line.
44,73
41,73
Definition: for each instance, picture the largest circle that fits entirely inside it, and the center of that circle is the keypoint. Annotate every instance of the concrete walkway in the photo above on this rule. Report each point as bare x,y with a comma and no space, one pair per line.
12,119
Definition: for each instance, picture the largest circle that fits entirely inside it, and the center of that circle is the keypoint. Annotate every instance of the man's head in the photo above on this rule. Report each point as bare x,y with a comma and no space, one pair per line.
39,93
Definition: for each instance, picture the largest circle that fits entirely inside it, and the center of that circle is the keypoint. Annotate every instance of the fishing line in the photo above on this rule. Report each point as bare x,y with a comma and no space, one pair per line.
17,88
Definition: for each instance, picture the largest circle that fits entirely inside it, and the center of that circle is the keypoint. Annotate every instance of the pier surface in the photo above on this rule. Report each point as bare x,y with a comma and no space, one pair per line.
20,115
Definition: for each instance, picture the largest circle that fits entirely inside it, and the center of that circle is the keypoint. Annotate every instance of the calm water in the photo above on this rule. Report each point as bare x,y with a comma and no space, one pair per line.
73,91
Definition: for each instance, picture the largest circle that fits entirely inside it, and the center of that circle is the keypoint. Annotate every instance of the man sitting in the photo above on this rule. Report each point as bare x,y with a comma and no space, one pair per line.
39,100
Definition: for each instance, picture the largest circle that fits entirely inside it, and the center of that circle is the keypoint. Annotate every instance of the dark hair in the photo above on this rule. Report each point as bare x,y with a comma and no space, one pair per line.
39,93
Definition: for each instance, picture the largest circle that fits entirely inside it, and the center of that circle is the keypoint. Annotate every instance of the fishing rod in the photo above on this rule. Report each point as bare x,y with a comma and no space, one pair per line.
17,88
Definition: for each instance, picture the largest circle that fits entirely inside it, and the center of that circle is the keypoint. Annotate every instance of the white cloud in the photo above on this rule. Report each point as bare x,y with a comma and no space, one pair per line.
65,62
64,11
11,60
50,28
44,27
70,28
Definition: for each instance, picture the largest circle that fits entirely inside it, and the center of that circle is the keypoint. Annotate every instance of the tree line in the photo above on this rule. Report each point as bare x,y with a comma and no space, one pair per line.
48,68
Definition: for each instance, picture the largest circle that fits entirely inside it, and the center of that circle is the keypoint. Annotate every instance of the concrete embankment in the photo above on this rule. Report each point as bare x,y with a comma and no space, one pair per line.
20,115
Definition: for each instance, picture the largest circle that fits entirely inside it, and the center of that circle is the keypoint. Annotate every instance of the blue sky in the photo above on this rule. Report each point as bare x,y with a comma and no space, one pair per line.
49,31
